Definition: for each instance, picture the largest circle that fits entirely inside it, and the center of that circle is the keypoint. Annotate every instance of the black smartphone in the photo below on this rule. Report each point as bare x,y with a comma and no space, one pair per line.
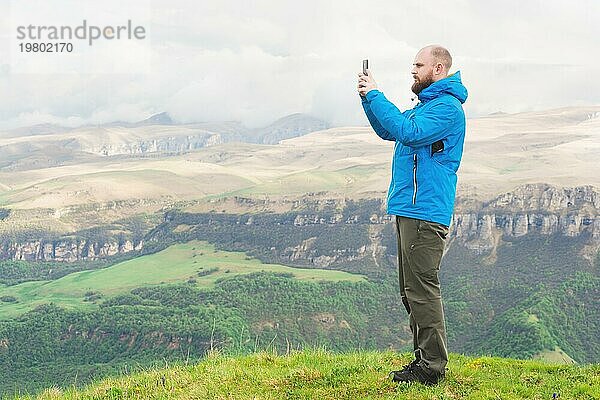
365,66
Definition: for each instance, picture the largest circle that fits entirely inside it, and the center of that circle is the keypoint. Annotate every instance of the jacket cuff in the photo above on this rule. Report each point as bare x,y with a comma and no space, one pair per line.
372,94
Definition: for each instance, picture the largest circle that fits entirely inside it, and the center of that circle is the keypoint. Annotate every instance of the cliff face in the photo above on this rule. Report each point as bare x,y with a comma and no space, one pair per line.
170,144
539,209
548,198
66,250
531,209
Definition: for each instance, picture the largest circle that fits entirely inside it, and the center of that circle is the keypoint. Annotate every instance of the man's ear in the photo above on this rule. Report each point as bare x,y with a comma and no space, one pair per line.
438,68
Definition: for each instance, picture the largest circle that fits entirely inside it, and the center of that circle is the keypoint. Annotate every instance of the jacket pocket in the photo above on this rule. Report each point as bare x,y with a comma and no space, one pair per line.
427,250
402,176
444,179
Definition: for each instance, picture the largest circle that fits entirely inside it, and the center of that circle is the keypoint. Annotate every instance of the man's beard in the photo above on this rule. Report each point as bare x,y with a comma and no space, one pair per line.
418,86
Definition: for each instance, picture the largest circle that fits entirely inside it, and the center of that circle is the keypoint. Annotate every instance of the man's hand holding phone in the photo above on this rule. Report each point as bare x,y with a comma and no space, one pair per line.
366,83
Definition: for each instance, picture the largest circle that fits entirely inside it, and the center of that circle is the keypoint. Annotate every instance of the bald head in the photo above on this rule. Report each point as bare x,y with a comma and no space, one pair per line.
439,55
442,55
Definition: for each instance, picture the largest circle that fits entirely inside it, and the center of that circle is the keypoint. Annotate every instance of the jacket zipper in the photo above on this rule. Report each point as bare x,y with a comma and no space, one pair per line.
414,198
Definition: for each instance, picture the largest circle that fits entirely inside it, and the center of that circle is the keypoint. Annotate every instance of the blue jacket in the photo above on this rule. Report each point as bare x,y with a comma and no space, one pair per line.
427,151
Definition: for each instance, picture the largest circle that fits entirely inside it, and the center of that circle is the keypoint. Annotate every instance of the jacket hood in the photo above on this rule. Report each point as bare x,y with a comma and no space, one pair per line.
450,85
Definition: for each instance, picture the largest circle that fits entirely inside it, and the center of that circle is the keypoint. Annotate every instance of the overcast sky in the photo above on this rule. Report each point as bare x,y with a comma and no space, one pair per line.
256,61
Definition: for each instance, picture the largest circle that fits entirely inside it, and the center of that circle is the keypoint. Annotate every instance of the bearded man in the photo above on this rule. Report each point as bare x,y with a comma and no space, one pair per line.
428,145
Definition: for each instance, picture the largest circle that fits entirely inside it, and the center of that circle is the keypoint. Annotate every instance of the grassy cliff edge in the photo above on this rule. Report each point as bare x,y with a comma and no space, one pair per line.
320,374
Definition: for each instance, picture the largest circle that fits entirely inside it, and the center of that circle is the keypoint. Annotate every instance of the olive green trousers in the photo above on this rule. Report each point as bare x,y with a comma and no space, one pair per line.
420,249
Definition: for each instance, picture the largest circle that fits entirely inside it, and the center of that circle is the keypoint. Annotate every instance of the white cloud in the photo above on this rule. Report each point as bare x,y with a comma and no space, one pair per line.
258,61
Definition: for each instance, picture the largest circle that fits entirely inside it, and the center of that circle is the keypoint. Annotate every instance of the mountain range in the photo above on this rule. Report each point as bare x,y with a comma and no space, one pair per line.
148,166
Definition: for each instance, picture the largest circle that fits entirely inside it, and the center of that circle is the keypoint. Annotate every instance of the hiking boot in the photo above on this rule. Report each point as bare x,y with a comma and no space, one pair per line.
417,372
405,368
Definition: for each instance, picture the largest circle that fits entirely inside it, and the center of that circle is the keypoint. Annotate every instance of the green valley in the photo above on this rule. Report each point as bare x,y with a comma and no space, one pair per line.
196,262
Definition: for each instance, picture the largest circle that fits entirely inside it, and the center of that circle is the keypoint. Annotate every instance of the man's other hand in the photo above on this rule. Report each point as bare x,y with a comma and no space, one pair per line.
366,83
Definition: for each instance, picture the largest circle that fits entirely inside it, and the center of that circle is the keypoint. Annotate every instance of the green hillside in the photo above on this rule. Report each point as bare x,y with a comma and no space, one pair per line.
319,374
51,346
195,261
485,295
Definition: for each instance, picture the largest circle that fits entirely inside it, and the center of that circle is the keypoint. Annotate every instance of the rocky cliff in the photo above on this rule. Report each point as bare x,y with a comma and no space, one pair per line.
536,208
539,209
66,249
530,209
168,144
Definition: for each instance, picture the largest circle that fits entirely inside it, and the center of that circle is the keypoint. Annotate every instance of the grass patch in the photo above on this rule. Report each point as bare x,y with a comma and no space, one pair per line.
319,374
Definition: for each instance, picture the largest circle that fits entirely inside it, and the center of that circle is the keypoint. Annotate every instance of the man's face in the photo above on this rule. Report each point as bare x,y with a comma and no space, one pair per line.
422,71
